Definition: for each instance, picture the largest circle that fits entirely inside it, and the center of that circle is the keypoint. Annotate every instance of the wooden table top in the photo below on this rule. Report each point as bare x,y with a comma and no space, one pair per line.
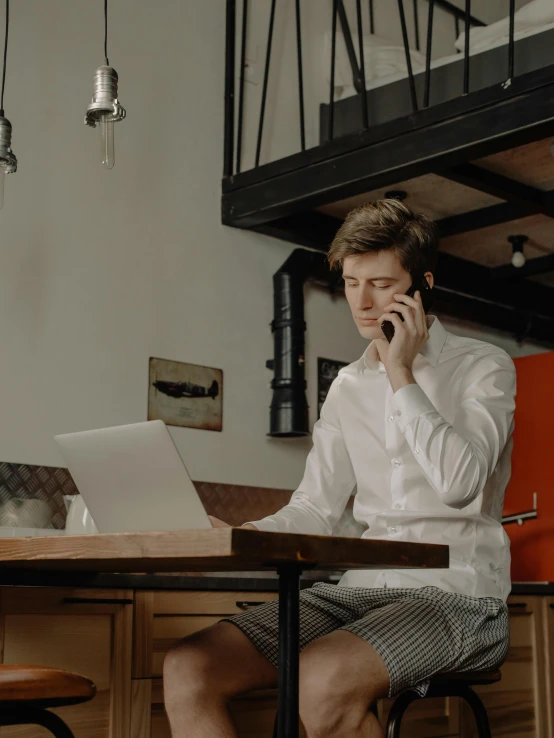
219,549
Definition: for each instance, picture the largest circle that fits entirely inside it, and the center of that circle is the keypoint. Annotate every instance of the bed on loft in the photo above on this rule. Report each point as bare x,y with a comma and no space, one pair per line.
387,78
466,138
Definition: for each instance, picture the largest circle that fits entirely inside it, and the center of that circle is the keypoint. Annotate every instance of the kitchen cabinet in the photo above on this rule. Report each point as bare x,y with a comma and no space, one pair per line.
119,639
81,630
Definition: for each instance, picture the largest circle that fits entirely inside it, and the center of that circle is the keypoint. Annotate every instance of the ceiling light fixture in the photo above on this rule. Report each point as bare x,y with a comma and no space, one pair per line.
105,109
518,257
396,195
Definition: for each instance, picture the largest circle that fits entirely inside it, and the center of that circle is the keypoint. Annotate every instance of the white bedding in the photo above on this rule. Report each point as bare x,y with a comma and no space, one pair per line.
536,16
385,61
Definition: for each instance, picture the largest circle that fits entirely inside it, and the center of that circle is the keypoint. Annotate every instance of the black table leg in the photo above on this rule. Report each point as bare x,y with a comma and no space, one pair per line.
289,650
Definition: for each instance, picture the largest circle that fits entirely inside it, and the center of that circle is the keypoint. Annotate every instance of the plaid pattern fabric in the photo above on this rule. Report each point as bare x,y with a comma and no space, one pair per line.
417,632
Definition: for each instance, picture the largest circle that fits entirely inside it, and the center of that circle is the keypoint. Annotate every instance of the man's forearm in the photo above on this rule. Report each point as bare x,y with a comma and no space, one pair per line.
400,377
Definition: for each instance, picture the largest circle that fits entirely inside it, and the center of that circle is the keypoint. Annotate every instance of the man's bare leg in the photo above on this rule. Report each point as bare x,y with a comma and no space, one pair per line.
203,672
341,675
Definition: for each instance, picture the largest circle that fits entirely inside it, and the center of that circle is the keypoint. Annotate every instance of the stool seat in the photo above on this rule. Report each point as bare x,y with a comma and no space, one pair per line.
41,686
467,677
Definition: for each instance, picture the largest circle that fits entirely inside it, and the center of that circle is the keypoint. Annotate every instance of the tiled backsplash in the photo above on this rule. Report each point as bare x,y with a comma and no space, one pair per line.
233,503
48,483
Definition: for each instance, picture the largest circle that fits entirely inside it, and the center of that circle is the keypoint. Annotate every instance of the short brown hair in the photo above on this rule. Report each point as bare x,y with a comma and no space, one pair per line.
387,224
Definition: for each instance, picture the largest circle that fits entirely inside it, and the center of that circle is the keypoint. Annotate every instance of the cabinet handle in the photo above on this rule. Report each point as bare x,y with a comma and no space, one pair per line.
517,604
248,605
95,601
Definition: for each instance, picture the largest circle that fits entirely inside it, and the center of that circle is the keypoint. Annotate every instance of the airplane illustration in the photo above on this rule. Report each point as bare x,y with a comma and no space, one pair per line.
187,389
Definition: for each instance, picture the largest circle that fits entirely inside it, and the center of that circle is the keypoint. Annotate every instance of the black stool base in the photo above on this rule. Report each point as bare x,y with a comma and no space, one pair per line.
26,715
404,700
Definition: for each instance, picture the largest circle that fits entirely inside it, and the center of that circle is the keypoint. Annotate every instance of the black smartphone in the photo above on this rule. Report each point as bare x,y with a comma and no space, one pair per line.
427,298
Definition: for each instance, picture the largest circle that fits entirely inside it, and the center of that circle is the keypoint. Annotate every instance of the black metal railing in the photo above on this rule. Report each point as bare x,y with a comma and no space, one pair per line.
338,15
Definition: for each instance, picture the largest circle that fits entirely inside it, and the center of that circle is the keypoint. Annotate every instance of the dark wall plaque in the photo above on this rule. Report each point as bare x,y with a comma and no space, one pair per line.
327,370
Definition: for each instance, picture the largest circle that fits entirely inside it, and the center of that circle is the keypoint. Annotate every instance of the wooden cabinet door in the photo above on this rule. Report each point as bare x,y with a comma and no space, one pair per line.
161,620
516,704
548,627
85,631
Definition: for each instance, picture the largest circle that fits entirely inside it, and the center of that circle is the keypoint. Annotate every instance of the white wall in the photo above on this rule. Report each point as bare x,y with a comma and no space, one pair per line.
101,270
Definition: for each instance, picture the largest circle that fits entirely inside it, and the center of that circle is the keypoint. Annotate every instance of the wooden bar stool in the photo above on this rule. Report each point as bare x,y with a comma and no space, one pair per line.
27,691
456,684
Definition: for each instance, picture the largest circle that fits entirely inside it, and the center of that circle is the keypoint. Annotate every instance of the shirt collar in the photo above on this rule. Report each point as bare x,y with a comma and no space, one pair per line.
430,350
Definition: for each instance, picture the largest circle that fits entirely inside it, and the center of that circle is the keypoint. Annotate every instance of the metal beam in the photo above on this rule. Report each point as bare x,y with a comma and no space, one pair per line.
458,12
467,278
335,171
538,265
229,124
518,323
483,218
354,141
311,229
356,75
526,197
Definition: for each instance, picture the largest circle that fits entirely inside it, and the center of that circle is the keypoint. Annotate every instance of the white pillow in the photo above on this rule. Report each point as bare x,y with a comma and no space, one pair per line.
535,14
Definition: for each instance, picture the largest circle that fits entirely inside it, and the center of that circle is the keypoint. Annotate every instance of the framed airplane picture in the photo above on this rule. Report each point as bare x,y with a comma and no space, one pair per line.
186,395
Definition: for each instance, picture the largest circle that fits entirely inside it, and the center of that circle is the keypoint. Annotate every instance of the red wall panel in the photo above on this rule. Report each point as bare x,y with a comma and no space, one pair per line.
533,470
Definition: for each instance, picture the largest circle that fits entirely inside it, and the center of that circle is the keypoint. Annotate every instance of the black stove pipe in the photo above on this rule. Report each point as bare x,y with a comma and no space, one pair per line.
289,407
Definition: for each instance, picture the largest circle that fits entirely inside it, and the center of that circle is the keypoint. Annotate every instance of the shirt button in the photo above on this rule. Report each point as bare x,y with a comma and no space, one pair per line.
396,462
397,506
399,412
393,529
391,418
417,450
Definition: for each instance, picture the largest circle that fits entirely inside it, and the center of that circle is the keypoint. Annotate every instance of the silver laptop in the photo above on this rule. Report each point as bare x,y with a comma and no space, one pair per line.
132,478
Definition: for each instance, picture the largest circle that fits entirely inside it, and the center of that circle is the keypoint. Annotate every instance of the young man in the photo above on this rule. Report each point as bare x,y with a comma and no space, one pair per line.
421,427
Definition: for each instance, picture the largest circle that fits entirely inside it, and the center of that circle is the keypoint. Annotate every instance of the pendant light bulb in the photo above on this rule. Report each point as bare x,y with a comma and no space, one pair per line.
8,160
518,257
107,150
105,110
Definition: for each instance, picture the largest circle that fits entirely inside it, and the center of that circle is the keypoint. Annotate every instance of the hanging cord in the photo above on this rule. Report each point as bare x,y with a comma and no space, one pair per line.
5,57
106,32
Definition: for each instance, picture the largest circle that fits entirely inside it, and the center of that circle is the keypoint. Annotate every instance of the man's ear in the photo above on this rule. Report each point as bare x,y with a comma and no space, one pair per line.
430,279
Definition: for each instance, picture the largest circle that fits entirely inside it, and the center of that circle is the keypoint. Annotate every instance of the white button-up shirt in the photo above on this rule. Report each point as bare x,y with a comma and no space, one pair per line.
428,463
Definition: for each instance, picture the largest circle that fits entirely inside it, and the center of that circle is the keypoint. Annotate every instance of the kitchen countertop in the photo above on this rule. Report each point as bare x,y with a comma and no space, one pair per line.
255,583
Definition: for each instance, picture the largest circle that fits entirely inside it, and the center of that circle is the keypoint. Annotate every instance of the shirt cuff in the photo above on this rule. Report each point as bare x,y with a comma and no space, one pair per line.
411,402
269,526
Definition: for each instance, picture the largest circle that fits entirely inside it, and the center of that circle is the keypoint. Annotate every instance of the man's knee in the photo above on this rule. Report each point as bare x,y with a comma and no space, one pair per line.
332,700
190,667
216,663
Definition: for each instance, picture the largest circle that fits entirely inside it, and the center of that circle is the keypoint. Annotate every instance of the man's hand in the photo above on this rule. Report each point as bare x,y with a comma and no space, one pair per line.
409,337
217,523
